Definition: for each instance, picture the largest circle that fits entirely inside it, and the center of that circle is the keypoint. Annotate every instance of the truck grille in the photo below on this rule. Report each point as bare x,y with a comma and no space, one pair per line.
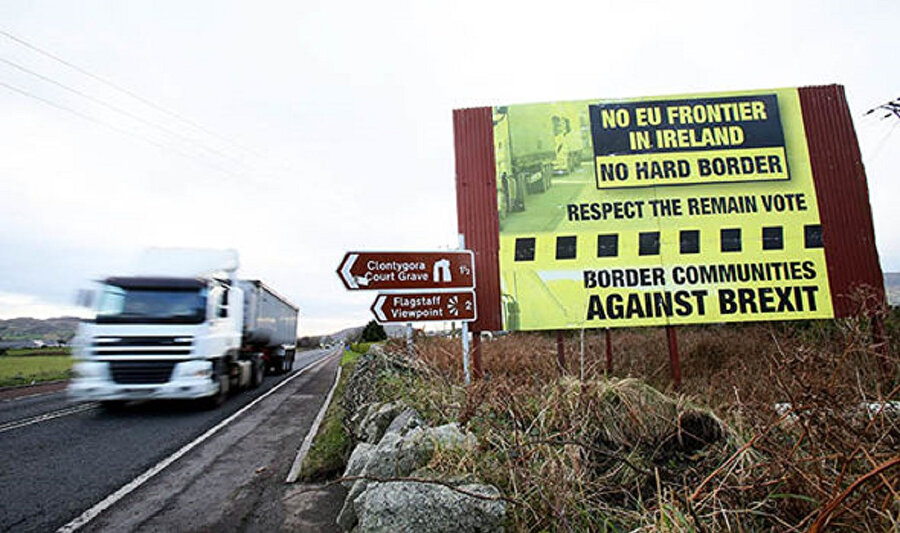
141,372
167,345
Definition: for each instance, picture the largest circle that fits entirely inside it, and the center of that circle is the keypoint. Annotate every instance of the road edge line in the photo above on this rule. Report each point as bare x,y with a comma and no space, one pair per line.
307,441
132,485
44,417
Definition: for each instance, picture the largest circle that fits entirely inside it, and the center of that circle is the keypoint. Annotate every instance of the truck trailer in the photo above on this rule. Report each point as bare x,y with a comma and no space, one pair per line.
183,327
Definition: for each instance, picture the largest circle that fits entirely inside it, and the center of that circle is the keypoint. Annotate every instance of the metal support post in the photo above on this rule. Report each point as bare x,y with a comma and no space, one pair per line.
673,356
477,369
409,339
561,351
609,362
465,348
581,362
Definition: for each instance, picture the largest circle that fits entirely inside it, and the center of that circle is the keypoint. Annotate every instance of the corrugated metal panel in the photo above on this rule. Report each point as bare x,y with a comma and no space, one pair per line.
476,208
842,194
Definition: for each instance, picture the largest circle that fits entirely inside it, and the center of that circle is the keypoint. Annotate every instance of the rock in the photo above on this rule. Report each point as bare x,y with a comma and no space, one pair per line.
425,507
347,518
383,461
404,422
373,426
362,384
353,421
420,444
359,458
399,454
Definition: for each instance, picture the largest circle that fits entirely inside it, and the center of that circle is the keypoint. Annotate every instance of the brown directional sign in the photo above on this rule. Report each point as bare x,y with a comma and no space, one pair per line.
408,270
425,306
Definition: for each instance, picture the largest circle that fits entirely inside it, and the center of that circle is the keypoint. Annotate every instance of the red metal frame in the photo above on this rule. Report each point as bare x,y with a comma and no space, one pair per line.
843,198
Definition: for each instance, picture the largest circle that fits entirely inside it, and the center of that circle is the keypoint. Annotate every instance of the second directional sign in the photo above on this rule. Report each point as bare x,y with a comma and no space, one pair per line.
407,270
425,306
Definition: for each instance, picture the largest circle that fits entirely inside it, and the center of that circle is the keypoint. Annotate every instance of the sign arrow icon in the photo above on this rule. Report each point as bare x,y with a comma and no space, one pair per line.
346,275
377,308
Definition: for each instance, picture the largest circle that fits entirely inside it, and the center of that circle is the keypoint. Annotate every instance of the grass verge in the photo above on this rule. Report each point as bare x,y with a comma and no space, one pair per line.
25,370
331,445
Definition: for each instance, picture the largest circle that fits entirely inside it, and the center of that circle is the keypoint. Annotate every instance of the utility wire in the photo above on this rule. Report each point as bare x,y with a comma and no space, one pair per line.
892,108
114,128
121,111
123,90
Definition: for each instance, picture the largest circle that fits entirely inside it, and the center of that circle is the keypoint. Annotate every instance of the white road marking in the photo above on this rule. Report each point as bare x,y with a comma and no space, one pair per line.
110,500
307,441
16,424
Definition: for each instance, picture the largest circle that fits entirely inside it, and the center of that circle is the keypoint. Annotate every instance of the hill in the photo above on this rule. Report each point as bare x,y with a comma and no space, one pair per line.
49,330
892,287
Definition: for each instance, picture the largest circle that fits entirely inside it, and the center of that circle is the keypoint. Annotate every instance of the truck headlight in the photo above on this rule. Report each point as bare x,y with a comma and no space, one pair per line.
89,370
194,369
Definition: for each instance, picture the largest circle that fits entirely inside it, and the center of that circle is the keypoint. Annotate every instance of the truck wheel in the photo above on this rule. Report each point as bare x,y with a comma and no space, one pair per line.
219,397
277,365
258,371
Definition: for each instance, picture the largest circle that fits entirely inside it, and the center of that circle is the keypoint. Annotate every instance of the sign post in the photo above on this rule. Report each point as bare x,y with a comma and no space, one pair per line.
426,286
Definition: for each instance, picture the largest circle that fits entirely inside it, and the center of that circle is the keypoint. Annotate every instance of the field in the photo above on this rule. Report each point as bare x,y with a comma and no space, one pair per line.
778,427
28,369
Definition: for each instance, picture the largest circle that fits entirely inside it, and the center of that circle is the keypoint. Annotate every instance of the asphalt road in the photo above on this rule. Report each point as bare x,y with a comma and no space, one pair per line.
59,459
547,210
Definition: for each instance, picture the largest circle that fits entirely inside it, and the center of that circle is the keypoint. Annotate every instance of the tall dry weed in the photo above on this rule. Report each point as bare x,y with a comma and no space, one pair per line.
781,427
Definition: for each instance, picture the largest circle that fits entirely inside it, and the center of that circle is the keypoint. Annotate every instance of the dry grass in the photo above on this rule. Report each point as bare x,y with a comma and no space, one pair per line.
766,435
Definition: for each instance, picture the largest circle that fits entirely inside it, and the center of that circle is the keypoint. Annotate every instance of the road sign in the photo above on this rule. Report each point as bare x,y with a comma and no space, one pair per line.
408,270
425,306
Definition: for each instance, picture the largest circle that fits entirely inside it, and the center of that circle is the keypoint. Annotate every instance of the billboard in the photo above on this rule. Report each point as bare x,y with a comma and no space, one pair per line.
657,211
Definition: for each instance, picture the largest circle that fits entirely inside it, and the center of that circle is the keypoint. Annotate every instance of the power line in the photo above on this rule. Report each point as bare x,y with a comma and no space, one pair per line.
892,108
121,111
123,90
113,128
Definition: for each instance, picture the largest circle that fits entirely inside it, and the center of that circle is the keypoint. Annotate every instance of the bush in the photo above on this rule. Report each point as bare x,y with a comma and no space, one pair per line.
373,332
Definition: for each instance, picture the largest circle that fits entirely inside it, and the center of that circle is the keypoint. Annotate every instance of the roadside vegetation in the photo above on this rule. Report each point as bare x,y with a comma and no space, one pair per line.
30,352
331,446
30,369
778,427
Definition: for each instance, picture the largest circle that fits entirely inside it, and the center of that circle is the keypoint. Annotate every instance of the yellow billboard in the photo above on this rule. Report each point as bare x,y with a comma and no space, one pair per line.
658,211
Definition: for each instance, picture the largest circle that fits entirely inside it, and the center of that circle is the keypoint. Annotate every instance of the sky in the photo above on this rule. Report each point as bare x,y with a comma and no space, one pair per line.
295,131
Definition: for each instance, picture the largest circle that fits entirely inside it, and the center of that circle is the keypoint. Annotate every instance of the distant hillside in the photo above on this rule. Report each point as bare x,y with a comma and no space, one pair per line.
49,330
344,334
892,287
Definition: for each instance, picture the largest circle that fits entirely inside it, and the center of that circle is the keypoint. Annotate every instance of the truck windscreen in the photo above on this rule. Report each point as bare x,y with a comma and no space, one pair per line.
151,305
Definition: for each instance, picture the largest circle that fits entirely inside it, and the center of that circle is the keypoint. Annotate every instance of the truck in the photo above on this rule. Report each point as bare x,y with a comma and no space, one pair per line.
532,143
182,326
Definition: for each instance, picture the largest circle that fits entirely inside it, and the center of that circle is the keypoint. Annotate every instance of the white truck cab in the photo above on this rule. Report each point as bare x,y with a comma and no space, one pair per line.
177,337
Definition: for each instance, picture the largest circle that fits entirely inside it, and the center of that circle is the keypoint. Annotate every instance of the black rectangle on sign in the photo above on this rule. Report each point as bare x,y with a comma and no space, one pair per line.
641,127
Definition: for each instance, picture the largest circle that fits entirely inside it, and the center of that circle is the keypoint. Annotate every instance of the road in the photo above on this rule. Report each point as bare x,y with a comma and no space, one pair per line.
60,459
545,211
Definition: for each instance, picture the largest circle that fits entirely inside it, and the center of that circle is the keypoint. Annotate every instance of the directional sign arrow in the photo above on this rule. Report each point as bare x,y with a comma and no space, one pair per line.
378,307
450,269
425,306
344,271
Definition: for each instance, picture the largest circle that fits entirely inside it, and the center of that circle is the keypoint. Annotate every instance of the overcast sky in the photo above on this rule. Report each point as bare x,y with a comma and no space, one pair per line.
294,131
